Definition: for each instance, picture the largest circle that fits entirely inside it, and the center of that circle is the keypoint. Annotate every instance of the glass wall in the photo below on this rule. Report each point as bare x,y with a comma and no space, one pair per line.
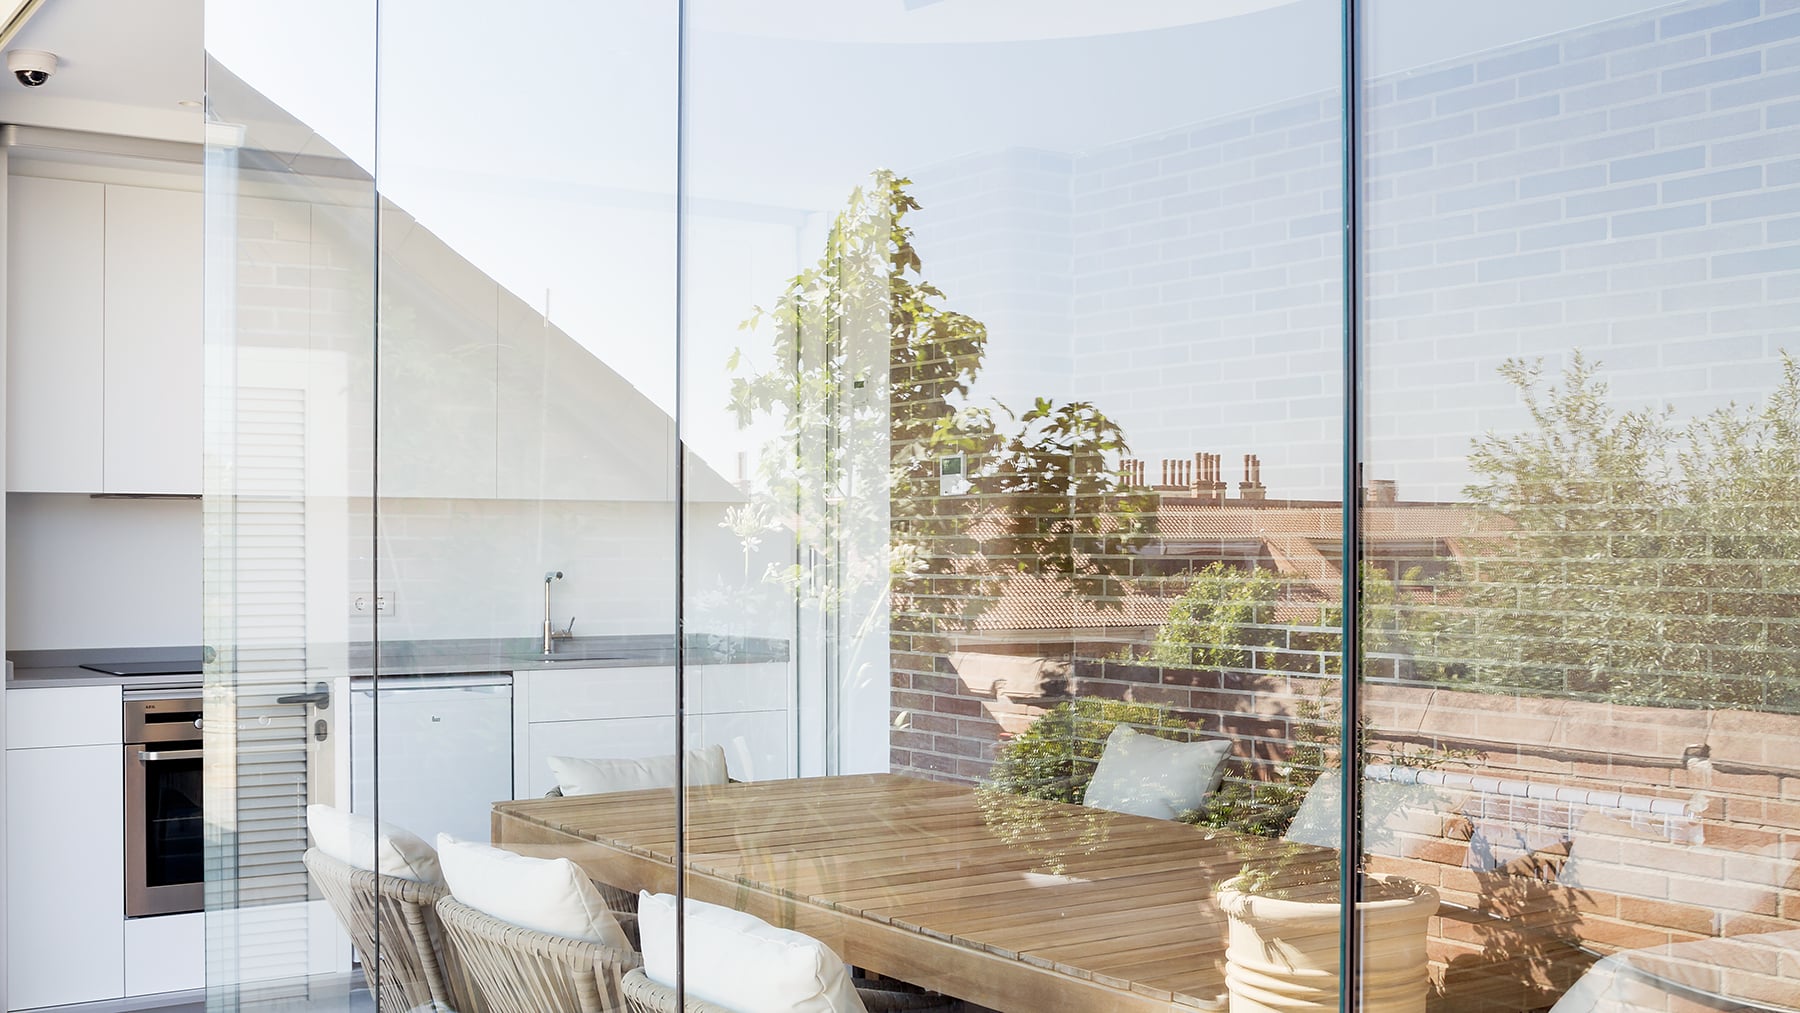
1579,450
1028,331
1010,493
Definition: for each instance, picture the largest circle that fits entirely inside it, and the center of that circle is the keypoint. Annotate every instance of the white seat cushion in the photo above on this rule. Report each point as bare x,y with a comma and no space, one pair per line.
1151,776
388,850
577,776
743,963
547,894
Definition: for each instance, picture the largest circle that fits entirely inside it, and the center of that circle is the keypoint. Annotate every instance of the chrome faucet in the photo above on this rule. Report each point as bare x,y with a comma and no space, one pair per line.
551,633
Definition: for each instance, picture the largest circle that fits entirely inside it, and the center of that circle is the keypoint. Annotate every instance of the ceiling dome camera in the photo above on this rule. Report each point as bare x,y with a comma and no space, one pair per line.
31,66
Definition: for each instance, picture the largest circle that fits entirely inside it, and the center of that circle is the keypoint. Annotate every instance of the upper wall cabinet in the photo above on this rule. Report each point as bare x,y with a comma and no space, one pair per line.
154,367
55,325
104,367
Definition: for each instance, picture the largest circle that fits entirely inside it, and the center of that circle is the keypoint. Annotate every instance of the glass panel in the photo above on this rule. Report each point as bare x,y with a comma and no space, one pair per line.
1578,676
524,528
1011,344
289,452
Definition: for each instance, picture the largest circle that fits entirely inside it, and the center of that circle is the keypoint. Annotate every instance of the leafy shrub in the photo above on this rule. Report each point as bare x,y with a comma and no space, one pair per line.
1224,614
1055,757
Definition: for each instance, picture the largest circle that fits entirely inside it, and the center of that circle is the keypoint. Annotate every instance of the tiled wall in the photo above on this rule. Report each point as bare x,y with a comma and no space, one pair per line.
475,568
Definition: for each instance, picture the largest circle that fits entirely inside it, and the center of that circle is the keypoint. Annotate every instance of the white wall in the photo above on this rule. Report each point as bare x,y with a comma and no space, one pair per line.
101,572
475,568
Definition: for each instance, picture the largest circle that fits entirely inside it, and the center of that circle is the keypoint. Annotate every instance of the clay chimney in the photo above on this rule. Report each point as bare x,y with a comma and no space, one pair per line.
1383,492
1251,488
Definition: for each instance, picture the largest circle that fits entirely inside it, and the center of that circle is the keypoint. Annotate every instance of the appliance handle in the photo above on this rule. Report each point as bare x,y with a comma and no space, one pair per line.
170,754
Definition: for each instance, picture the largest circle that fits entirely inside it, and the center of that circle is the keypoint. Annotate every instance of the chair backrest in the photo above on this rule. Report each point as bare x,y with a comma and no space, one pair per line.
521,970
415,963
645,996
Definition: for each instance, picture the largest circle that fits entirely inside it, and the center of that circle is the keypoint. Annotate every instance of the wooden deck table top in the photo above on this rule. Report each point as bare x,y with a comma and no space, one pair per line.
1012,903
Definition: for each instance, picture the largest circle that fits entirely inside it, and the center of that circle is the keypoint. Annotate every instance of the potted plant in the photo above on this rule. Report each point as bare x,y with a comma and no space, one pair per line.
1284,926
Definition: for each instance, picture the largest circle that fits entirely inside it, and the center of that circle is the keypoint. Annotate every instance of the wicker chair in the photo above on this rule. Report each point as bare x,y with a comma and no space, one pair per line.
645,996
521,970
415,964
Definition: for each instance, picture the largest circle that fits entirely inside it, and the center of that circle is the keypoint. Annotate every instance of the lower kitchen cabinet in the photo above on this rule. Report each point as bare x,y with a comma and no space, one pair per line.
595,738
619,713
165,954
65,874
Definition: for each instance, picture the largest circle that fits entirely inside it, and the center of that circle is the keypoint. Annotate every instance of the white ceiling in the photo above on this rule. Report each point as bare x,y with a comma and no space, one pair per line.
124,67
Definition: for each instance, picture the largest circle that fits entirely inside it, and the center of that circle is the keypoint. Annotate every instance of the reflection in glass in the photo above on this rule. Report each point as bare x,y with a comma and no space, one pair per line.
1578,373
990,384
952,540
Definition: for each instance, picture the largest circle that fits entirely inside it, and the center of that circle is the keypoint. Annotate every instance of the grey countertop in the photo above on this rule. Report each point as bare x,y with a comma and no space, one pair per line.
404,658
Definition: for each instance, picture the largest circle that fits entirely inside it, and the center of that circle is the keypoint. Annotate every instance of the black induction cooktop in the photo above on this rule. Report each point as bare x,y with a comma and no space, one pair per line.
180,666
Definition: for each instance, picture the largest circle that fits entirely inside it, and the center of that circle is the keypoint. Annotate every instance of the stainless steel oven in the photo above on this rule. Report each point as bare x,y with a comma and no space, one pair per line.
163,826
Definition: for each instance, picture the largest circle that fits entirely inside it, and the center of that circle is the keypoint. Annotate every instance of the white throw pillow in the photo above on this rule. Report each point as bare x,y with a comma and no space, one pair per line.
578,776
743,963
354,839
1395,814
547,894
1152,776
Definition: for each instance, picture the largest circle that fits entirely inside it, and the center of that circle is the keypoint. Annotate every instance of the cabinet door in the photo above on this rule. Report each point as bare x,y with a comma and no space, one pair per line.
165,954
154,366
55,318
65,875
604,739
755,742
63,716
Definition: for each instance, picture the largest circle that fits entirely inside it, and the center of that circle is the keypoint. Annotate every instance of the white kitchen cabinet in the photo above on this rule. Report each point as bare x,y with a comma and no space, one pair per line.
154,375
598,738
64,716
717,689
577,694
165,954
104,344
65,875
756,743
55,316
619,713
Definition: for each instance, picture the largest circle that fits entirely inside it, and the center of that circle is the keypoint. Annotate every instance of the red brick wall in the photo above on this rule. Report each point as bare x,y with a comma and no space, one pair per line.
1515,947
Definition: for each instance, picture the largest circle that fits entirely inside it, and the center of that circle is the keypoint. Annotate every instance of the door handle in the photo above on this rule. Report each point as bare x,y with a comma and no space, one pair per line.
320,697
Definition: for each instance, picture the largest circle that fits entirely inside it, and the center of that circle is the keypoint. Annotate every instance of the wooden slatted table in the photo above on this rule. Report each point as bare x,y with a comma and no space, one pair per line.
1012,903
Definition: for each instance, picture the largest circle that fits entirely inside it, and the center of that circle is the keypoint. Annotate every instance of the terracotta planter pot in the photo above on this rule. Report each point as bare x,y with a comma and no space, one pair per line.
1282,955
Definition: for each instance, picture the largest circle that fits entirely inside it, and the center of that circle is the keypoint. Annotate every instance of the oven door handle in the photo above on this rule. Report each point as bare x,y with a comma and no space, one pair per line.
171,754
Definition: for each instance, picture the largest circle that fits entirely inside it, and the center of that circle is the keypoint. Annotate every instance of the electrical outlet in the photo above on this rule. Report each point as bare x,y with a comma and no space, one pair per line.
372,604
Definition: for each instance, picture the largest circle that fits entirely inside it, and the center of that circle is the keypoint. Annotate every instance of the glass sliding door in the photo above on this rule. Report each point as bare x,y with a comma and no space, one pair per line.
441,509
524,524
290,243
1578,564
1011,346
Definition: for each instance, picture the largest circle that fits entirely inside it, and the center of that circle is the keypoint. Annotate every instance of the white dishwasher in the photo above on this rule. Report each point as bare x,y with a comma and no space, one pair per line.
438,746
